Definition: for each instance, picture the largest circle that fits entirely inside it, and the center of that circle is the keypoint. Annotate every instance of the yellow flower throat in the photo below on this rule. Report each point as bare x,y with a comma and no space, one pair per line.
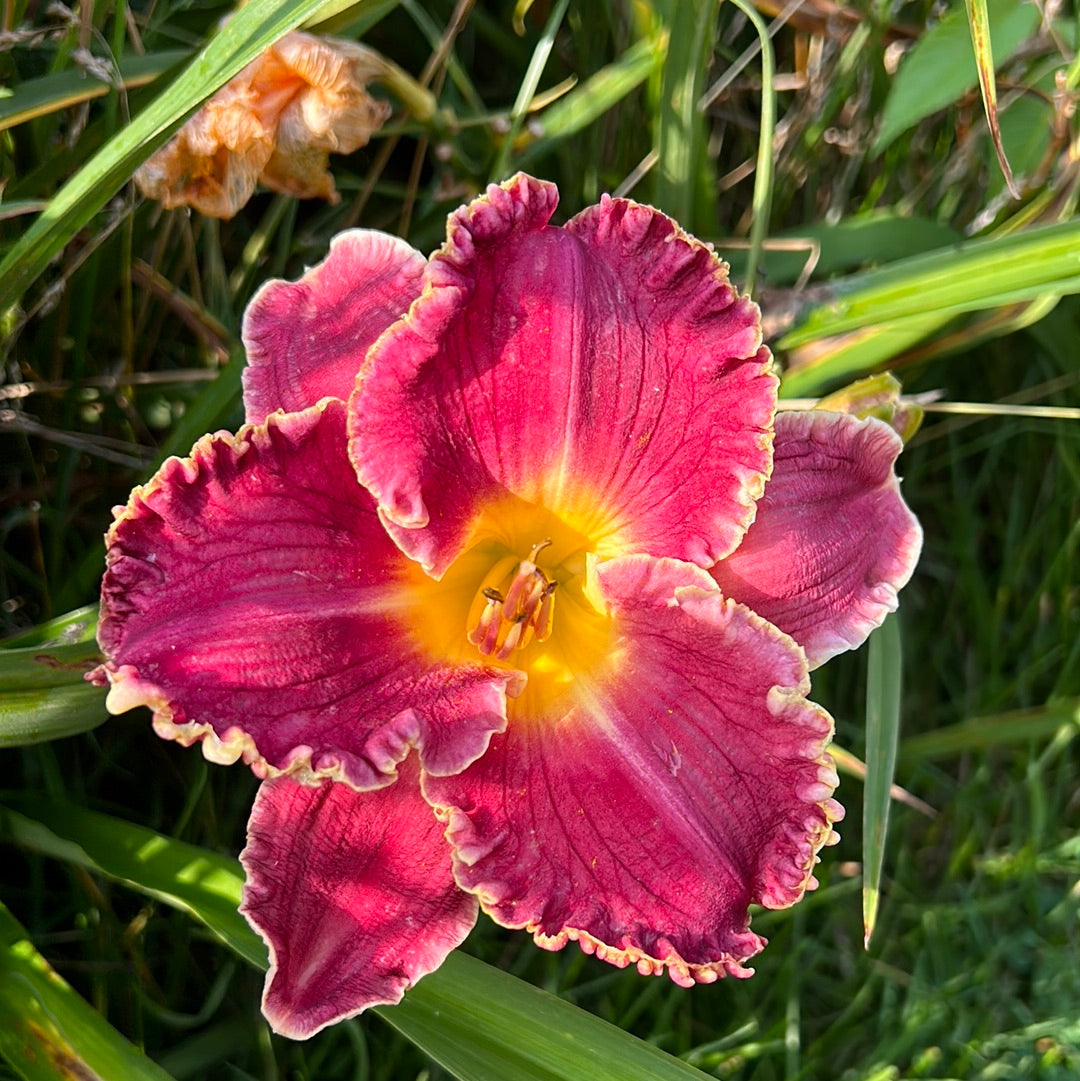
497,602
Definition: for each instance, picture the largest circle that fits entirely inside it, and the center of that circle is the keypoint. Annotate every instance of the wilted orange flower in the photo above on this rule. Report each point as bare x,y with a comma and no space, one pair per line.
275,123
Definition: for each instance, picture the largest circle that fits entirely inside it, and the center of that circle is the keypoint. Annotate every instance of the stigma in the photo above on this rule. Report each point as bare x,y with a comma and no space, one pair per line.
514,607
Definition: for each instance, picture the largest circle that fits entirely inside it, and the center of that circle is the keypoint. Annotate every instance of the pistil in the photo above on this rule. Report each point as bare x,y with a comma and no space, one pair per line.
501,623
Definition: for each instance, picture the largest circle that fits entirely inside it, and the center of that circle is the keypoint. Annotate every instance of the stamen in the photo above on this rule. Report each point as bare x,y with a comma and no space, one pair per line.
522,580
501,624
545,618
485,634
512,640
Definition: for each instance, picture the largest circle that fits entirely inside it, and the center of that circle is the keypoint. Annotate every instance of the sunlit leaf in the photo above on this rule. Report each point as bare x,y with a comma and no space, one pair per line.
47,1031
527,90
592,98
818,365
62,89
940,68
204,884
883,683
979,22
44,696
985,273
761,203
881,236
480,1023
484,1025
79,625
684,169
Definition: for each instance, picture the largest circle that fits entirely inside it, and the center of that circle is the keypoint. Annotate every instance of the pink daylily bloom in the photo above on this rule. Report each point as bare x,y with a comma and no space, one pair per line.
509,589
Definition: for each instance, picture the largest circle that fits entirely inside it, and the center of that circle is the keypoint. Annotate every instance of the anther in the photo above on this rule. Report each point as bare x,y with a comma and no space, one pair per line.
545,616
485,635
509,622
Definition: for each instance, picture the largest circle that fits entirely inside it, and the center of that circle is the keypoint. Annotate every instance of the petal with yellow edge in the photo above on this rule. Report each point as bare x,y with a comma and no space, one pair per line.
248,601
354,895
306,340
833,540
606,371
677,777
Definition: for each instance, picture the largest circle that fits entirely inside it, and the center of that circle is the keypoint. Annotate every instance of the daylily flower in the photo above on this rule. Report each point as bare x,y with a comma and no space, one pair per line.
509,589
275,123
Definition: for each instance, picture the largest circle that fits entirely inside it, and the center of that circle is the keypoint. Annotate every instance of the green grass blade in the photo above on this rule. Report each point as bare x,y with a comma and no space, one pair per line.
62,89
882,732
986,273
847,356
47,1031
1016,727
478,1022
763,173
682,131
199,882
979,23
591,99
43,695
248,33
527,91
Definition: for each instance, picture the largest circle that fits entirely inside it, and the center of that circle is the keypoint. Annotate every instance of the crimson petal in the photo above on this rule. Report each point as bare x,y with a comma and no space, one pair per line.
684,781
306,339
352,892
833,540
606,371
246,602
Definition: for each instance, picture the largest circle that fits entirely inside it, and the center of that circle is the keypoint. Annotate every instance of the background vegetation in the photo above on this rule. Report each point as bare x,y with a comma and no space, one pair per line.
890,241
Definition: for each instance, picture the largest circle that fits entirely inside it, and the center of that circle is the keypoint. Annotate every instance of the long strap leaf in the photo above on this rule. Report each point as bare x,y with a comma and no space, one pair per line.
478,1022
50,1033
882,732
979,23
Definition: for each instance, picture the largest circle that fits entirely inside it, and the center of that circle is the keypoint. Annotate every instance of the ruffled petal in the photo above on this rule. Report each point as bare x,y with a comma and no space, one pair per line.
306,339
833,540
680,782
353,893
247,601
606,371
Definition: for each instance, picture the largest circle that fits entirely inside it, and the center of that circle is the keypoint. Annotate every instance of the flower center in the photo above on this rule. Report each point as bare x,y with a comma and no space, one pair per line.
496,603
503,620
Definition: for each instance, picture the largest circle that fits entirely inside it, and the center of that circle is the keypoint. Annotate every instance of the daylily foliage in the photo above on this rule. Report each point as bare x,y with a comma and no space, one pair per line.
509,590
